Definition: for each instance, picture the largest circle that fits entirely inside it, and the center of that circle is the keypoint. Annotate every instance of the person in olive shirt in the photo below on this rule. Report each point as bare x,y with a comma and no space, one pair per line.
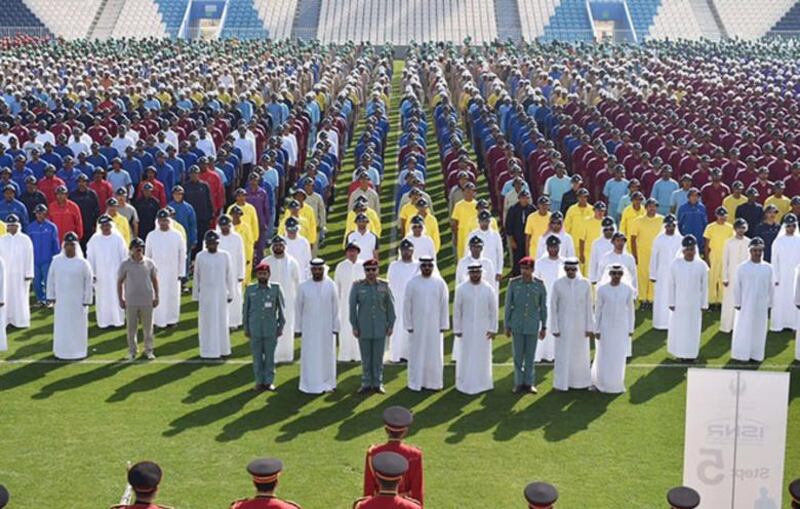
525,318
372,318
264,319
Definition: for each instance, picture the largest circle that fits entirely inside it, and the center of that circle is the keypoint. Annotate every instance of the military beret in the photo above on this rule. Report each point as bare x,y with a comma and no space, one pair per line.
40,208
398,418
211,236
144,476
262,265
265,470
12,219
721,211
790,219
406,244
389,466
4,496
71,237
756,243
277,239
352,245
794,490
683,498
689,241
224,220
369,264
526,261
541,494
164,213
136,242
104,219
317,262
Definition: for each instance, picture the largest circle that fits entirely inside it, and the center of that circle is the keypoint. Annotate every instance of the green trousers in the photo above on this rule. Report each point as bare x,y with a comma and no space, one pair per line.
263,350
372,360
524,348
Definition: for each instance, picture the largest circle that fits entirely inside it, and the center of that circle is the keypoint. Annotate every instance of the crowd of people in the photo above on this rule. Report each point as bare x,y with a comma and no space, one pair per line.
129,181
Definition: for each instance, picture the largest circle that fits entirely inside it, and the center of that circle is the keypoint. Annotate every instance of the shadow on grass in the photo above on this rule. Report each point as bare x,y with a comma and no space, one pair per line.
152,381
716,347
81,379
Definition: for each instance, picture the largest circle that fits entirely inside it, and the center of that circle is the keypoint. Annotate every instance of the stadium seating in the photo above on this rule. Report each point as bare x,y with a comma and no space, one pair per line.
569,22
243,21
140,18
15,14
675,20
535,15
751,20
70,19
172,13
643,12
789,24
277,16
408,20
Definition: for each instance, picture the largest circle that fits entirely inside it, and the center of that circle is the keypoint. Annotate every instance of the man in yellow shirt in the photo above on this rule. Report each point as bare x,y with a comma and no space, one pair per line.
431,224
249,214
248,241
536,224
644,230
587,232
631,212
777,198
733,200
465,215
716,235
577,213
120,221
3,230
307,230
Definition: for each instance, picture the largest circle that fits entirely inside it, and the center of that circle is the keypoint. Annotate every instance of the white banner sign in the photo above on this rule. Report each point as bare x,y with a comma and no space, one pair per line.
736,437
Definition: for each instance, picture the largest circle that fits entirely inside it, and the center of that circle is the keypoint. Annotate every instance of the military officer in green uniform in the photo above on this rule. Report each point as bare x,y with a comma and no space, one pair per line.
372,318
525,318
263,316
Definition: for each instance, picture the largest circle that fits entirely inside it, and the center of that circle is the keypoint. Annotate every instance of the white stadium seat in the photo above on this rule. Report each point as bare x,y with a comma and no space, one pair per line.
139,19
70,19
751,20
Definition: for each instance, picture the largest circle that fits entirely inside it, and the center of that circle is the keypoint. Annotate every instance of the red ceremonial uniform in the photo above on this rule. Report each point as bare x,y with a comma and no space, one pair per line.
263,502
140,506
412,483
387,501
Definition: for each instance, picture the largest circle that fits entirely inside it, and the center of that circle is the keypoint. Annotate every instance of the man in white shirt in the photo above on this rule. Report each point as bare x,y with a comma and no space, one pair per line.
366,240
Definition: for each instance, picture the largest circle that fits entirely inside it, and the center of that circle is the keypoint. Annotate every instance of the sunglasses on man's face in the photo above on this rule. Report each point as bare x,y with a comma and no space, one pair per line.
570,269
371,270
427,265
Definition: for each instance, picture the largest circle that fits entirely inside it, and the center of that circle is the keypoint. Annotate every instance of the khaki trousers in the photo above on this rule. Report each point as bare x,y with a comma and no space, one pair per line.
134,315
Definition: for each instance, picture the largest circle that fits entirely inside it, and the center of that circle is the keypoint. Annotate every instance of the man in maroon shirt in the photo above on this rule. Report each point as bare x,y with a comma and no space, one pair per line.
713,193
792,182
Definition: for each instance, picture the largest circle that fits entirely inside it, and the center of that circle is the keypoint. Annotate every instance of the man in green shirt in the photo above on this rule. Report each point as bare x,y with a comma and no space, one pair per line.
264,319
525,319
372,318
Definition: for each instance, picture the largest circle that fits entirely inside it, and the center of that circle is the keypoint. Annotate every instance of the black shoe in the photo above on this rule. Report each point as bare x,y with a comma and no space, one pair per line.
259,388
364,390
380,389
517,389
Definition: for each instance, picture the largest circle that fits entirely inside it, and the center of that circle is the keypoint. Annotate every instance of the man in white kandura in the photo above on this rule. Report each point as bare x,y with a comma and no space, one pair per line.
474,327
549,268
105,252
232,243
572,325
213,290
298,248
666,247
556,228
399,274
785,259
16,249
3,337
286,272
423,243
620,256
348,271
317,321
426,316
614,325
735,253
69,287
752,298
492,247
167,248
600,247
797,305
688,298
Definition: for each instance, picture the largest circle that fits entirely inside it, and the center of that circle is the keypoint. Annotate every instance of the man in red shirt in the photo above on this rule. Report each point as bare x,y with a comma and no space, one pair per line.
101,187
214,182
713,193
49,183
65,214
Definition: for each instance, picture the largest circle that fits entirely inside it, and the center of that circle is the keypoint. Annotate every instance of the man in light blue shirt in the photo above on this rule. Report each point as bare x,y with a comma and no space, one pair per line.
119,178
557,185
615,189
681,195
663,189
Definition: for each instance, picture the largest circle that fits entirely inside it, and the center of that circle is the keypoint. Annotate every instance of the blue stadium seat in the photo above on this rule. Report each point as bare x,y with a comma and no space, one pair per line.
643,12
172,12
16,14
569,23
790,22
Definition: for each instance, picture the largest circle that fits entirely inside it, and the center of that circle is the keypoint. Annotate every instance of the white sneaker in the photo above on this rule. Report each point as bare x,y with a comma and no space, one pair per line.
151,356
130,357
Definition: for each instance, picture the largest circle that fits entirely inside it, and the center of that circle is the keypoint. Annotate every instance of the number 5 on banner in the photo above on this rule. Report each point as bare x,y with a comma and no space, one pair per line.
707,467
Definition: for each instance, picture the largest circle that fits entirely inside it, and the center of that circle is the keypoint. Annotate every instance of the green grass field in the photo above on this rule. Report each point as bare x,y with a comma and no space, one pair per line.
68,429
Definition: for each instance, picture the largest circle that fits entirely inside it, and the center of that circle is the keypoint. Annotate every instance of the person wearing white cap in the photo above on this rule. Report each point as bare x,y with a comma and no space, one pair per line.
614,325
666,248
213,289
317,322
735,253
688,298
16,250
572,326
785,259
752,298
69,287
105,252
474,328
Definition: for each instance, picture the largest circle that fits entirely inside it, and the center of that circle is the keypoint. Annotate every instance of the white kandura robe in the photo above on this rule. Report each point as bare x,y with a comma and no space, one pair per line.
665,249
785,259
285,272
317,320
17,252
299,249
423,246
735,253
688,294
3,337
69,284
234,246
462,274
567,249
346,274
754,293
474,315
167,250
105,253
213,286
797,304
399,274
600,247
572,317
425,316
614,321
492,249
548,270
